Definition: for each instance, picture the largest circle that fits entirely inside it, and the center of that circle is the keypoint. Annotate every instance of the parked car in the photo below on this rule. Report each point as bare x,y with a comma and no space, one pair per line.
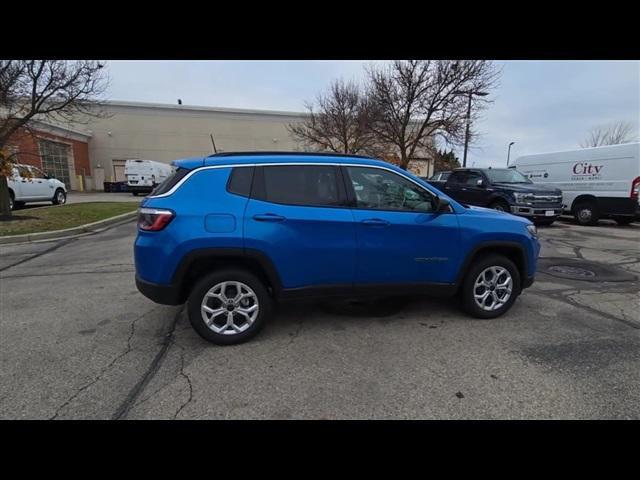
145,175
30,184
230,234
600,182
503,189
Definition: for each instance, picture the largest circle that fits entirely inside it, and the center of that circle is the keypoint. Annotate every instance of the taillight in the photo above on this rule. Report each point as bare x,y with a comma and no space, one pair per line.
153,219
635,187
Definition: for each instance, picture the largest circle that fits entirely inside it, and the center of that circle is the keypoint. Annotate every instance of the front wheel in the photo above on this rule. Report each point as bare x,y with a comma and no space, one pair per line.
229,306
490,287
500,205
59,198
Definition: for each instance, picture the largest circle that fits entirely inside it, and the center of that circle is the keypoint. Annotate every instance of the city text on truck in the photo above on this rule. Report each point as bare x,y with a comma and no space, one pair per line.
599,182
145,175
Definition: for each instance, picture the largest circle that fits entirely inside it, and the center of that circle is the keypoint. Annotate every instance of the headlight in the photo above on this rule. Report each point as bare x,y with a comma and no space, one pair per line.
533,231
524,197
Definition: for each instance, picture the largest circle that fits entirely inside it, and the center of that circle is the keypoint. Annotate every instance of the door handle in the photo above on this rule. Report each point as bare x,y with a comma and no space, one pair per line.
375,222
268,217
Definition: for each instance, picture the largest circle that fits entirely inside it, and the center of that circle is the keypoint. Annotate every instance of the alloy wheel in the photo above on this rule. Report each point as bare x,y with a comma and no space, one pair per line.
493,288
229,308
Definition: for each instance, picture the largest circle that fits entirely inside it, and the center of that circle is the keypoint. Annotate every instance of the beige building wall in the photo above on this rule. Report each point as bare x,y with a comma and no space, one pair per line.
169,132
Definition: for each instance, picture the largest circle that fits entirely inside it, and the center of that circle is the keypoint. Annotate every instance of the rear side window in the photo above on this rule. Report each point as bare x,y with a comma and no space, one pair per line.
312,185
240,181
170,181
457,177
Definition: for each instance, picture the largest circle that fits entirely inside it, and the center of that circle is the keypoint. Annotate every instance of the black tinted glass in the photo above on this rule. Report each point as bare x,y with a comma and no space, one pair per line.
240,181
170,181
315,185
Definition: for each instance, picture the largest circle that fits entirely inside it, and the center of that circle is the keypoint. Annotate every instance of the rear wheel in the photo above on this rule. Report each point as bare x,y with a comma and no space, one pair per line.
490,287
500,205
586,213
59,198
229,306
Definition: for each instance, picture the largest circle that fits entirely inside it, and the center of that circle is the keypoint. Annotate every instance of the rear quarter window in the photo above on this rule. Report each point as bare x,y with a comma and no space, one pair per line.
240,181
170,181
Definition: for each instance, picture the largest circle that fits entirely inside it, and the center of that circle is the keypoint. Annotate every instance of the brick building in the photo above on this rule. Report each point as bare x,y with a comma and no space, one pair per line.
59,151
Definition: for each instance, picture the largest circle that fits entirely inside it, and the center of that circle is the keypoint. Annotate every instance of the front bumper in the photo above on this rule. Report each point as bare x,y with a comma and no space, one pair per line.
535,211
162,294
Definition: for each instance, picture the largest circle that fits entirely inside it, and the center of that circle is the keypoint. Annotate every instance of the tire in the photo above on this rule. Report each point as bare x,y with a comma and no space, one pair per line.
586,213
500,205
251,285
480,267
59,198
12,203
624,220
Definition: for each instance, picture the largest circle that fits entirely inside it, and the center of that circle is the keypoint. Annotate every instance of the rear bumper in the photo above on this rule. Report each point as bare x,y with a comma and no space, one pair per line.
139,188
162,294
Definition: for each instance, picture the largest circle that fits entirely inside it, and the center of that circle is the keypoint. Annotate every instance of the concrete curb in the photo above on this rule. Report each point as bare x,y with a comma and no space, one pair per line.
70,232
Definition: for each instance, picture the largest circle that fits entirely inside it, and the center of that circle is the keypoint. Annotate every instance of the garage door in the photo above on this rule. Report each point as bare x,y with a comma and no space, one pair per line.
55,160
118,170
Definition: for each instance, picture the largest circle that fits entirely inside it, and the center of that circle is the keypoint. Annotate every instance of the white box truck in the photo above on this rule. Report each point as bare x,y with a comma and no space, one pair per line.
144,175
599,182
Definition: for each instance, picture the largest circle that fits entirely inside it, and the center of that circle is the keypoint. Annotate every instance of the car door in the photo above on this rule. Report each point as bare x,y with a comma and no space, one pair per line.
28,187
401,239
298,216
454,185
474,193
42,189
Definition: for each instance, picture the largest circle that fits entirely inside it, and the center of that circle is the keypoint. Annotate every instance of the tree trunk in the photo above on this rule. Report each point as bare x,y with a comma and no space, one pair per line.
5,211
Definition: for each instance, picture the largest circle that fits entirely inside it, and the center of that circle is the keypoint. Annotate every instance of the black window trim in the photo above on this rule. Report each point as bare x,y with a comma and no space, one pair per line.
351,194
258,190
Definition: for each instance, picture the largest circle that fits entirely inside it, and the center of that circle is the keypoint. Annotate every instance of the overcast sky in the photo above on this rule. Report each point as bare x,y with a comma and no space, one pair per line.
540,105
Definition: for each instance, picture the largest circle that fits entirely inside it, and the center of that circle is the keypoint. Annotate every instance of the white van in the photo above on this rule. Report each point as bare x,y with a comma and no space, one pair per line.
30,184
599,182
144,175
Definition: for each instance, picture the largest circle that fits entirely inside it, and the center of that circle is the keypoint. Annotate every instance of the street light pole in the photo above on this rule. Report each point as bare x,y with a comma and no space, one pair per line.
509,152
471,93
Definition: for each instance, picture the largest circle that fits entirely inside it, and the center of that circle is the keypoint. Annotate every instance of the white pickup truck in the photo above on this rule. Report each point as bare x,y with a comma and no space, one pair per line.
30,184
144,175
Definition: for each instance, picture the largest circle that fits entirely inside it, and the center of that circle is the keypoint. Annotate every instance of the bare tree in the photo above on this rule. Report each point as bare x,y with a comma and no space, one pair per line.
47,91
339,123
418,100
612,134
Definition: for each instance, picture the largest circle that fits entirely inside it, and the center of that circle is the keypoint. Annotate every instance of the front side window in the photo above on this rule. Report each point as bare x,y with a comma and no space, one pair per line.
472,179
506,175
311,185
378,189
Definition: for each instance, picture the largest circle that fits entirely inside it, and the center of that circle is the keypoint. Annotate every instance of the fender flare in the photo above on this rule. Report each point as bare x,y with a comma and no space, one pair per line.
493,244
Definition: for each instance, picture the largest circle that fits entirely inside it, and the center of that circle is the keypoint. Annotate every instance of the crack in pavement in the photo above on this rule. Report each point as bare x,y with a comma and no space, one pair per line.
39,254
129,401
105,369
187,378
570,301
66,273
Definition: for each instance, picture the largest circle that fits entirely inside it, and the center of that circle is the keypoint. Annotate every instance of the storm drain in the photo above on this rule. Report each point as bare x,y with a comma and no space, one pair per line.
583,270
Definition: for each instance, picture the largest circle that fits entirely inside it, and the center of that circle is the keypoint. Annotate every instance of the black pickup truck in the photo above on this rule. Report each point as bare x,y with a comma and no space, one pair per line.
503,189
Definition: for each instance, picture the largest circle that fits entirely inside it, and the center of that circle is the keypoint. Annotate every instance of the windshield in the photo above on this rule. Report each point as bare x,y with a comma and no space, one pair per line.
506,175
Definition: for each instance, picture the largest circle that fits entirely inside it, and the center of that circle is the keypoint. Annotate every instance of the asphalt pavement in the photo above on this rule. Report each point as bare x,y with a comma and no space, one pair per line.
79,342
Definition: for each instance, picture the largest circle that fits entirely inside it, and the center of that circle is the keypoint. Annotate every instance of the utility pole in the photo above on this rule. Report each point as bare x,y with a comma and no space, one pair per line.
471,93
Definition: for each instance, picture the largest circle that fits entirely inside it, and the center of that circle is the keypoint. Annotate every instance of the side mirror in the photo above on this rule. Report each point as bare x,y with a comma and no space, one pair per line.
442,205
480,183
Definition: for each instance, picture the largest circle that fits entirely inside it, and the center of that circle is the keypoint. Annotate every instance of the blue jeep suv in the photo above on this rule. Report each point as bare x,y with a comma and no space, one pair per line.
232,233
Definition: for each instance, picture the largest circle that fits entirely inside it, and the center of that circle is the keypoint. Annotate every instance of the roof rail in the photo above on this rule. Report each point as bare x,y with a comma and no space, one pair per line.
314,154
